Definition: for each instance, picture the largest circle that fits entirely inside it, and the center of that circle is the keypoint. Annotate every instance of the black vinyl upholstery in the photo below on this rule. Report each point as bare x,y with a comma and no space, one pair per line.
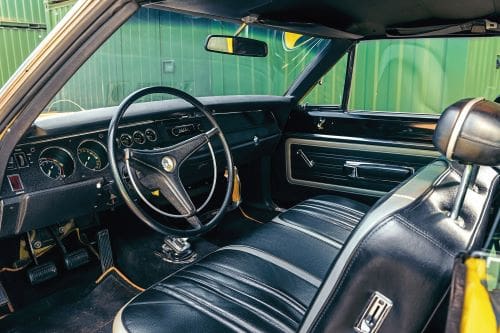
265,282
405,248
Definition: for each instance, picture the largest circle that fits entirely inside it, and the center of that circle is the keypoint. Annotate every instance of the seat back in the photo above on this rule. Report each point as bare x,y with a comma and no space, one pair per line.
403,252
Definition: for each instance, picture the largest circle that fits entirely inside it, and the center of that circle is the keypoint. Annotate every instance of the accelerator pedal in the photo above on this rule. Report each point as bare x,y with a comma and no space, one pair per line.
105,252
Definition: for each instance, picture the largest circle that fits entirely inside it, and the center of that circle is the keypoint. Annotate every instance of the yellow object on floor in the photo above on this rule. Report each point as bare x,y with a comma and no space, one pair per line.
478,314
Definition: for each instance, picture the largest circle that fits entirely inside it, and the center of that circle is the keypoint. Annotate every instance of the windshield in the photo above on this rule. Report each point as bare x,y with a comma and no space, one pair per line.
156,47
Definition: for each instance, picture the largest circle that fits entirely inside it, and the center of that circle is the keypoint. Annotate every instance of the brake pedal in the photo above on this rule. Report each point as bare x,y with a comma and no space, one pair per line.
41,273
105,251
76,259
72,259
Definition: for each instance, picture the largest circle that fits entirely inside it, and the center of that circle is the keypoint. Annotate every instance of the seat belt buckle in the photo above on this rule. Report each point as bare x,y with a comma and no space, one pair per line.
374,314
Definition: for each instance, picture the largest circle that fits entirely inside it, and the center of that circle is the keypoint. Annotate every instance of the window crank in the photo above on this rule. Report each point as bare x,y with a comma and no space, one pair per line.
306,159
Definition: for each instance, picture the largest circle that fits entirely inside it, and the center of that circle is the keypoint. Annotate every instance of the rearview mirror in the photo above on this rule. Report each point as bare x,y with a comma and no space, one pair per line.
236,46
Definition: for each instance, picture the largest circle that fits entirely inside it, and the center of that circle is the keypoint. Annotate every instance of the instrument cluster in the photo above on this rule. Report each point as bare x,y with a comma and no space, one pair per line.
79,157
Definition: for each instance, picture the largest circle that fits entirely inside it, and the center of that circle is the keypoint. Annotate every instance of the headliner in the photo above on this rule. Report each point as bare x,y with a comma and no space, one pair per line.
343,18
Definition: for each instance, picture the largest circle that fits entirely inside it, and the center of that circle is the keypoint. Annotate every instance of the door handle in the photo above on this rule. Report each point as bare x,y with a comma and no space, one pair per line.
369,170
310,163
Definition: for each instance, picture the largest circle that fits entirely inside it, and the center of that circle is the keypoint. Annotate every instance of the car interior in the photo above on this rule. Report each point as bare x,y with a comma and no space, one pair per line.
243,187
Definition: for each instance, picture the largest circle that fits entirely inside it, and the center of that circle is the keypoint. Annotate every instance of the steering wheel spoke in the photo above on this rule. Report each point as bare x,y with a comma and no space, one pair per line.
171,187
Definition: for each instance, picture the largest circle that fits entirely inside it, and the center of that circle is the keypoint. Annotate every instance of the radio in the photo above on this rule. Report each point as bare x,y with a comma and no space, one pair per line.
185,129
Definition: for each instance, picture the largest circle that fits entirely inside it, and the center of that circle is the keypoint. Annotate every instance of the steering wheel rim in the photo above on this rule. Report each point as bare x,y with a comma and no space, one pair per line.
117,175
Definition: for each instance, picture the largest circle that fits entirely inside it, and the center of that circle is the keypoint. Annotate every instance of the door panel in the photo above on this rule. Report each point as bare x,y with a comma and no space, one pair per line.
350,165
361,155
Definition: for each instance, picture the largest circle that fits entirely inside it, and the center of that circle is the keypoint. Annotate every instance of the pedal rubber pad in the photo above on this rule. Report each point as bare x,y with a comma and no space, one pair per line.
105,252
41,273
76,259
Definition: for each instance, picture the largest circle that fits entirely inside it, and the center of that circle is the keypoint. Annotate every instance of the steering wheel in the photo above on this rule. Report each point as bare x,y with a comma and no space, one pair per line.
158,168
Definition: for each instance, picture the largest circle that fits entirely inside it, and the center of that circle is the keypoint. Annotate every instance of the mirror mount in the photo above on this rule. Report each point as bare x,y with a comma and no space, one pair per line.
240,29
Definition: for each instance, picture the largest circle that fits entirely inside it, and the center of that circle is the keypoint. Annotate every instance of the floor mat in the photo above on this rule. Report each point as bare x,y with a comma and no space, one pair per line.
232,227
136,255
94,313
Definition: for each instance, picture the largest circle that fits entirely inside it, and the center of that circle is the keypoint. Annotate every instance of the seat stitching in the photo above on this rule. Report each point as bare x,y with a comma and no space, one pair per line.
396,218
331,214
327,219
238,291
330,209
361,213
424,234
343,207
357,251
282,326
276,261
306,231
296,304
216,313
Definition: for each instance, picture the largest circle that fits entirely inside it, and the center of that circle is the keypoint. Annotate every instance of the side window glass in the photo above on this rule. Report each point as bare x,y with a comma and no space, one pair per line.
423,75
330,88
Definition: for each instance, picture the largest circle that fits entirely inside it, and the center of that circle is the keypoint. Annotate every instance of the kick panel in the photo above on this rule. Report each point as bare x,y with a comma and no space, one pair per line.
347,165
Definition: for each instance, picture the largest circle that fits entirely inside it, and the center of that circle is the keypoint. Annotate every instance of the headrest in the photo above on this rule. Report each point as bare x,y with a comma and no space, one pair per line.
469,132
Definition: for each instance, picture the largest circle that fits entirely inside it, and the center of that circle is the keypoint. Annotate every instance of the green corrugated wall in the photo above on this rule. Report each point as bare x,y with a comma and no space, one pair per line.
22,27
424,75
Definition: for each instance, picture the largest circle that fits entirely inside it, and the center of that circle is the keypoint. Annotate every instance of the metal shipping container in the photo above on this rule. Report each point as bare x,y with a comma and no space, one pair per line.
22,27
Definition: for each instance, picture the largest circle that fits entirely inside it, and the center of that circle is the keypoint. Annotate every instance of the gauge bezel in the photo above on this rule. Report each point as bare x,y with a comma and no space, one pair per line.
99,143
67,152
143,136
150,129
131,140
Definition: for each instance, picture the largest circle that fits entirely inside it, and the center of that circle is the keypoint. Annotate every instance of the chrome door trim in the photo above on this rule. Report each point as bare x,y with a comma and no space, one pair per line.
340,144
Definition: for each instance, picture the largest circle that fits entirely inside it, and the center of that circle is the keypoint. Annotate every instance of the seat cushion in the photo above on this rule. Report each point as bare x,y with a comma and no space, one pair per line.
263,282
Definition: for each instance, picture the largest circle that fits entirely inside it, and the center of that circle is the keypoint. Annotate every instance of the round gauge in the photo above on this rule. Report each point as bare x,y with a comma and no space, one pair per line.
92,155
126,140
139,137
56,163
151,135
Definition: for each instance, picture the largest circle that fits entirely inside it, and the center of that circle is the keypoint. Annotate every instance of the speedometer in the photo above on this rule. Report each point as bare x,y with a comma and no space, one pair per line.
92,155
56,163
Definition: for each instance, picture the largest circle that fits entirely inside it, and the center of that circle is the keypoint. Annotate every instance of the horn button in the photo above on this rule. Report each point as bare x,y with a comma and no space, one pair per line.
168,163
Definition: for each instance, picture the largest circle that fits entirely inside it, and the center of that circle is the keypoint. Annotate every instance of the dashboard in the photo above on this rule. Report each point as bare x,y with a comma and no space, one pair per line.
60,169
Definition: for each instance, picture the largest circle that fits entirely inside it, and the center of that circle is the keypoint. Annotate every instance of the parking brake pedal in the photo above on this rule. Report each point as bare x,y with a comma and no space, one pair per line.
105,252
40,272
